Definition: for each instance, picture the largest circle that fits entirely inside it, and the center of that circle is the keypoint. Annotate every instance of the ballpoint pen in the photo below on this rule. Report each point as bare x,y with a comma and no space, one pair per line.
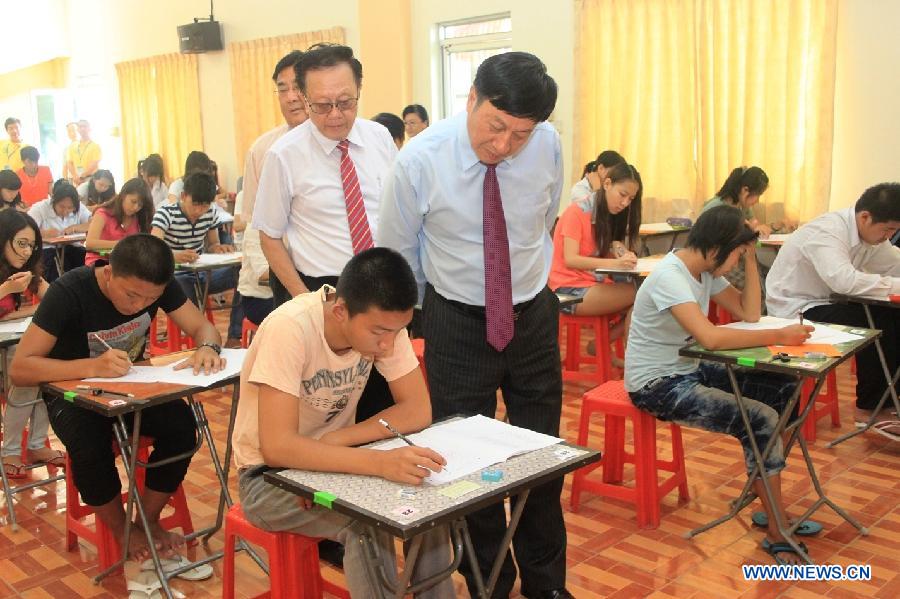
101,391
396,433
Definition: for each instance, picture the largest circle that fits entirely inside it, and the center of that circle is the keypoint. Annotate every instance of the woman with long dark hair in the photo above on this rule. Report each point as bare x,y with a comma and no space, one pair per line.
128,213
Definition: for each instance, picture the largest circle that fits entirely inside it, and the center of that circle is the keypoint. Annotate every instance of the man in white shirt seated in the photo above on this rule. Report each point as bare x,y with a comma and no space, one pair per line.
847,252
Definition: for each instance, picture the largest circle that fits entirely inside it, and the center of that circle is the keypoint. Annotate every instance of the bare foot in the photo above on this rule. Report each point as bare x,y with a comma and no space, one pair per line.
787,556
166,540
138,549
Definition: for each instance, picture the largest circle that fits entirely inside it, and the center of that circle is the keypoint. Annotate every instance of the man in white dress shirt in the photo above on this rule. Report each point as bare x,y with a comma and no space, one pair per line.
257,299
847,252
304,210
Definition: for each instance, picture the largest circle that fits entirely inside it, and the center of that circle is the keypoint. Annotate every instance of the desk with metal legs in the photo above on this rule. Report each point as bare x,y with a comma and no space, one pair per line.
760,358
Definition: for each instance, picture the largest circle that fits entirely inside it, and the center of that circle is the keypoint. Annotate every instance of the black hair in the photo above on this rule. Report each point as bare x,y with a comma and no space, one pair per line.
197,161
721,229
9,180
606,158
518,84
378,277
392,122
324,56
882,201
417,109
152,166
62,189
11,121
11,222
623,226
143,257
144,216
30,153
288,60
98,197
753,178
201,187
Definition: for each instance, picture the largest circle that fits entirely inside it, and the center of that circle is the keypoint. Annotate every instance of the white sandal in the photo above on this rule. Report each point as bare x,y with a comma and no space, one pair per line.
146,585
200,572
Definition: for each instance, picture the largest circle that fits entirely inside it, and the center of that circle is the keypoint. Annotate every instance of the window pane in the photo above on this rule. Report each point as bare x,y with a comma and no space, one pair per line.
462,67
503,25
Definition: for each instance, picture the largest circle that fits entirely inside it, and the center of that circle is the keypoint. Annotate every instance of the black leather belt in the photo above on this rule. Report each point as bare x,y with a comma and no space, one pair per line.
478,311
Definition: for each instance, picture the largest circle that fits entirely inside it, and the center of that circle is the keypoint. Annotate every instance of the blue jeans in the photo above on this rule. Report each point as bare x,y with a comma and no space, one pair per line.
220,279
704,399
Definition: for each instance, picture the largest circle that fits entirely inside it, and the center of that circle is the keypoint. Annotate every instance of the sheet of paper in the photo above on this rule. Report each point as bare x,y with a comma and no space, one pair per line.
655,227
778,237
209,259
644,265
800,351
472,444
823,334
15,326
234,359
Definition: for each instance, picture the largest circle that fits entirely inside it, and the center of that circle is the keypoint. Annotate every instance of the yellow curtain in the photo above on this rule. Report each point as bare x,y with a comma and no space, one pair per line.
160,99
687,90
252,62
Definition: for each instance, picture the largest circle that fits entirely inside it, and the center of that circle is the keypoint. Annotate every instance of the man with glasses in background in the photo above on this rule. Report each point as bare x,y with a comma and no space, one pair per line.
317,200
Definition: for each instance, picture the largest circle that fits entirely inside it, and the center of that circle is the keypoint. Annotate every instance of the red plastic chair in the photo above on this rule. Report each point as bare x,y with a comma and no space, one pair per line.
99,535
826,405
602,361
293,561
613,401
247,331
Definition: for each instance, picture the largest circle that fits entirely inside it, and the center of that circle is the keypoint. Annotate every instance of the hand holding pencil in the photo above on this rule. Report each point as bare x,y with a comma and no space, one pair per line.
112,363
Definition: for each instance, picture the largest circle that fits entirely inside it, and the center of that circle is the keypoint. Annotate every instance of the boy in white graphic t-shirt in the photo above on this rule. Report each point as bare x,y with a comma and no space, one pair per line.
300,384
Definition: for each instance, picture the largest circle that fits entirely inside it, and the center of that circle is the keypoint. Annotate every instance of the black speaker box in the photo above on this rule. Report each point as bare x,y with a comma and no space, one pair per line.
203,36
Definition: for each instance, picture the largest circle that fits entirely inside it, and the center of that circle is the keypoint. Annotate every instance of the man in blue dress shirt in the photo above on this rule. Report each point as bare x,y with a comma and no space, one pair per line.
470,203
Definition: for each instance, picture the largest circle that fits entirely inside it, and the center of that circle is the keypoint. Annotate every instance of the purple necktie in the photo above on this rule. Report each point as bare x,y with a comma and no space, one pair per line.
498,306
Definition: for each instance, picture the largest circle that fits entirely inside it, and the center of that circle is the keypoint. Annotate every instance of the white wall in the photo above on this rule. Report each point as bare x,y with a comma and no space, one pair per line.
24,24
544,29
112,31
867,99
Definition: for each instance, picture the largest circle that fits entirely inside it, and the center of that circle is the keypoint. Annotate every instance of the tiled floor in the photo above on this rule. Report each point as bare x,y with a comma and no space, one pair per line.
608,555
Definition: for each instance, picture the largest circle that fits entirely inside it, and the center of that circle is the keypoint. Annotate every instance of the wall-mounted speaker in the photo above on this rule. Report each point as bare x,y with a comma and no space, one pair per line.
203,36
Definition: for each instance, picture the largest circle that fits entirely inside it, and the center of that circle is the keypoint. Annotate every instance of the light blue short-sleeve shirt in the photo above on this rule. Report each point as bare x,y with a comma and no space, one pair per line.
655,335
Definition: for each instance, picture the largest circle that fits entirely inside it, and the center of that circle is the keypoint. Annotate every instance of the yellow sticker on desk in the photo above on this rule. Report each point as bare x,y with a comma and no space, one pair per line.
459,489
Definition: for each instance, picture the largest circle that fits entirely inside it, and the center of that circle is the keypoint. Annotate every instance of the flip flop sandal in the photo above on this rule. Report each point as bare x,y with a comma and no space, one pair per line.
58,460
774,549
807,528
15,471
201,572
146,585
886,429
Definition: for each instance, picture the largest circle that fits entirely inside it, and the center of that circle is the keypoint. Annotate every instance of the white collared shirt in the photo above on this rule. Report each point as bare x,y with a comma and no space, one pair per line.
46,217
300,197
827,256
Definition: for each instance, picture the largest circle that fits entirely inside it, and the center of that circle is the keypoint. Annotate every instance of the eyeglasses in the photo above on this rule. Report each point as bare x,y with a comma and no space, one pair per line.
326,107
25,244
283,91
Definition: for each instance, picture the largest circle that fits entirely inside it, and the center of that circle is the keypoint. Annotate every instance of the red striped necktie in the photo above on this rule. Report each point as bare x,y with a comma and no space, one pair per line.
498,306
360,234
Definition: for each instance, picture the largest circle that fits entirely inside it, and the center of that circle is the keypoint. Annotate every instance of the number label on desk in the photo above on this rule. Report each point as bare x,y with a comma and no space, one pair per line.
405,512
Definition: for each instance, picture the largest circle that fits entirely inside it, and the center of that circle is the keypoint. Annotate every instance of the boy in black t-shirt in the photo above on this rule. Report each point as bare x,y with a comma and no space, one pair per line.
115,303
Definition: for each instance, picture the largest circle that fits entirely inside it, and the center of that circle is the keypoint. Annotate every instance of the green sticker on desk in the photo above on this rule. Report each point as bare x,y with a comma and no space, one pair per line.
324,498
70,396
746,362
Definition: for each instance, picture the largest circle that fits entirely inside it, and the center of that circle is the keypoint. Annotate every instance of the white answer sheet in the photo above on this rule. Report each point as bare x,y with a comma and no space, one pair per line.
822,334
15,326
473,443
212,259
234,359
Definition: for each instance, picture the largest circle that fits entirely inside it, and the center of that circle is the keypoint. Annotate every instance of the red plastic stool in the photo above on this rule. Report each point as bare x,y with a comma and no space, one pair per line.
612,400
176,339
571,324
826,405
418,346
723,316
100,536
293,561
247,331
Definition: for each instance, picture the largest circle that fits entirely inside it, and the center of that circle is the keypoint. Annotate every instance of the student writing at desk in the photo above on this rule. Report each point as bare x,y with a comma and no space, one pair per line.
669,307
115,303
847,252
20,271
300,385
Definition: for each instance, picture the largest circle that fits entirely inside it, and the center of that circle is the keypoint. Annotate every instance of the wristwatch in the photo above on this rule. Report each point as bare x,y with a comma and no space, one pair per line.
214,346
